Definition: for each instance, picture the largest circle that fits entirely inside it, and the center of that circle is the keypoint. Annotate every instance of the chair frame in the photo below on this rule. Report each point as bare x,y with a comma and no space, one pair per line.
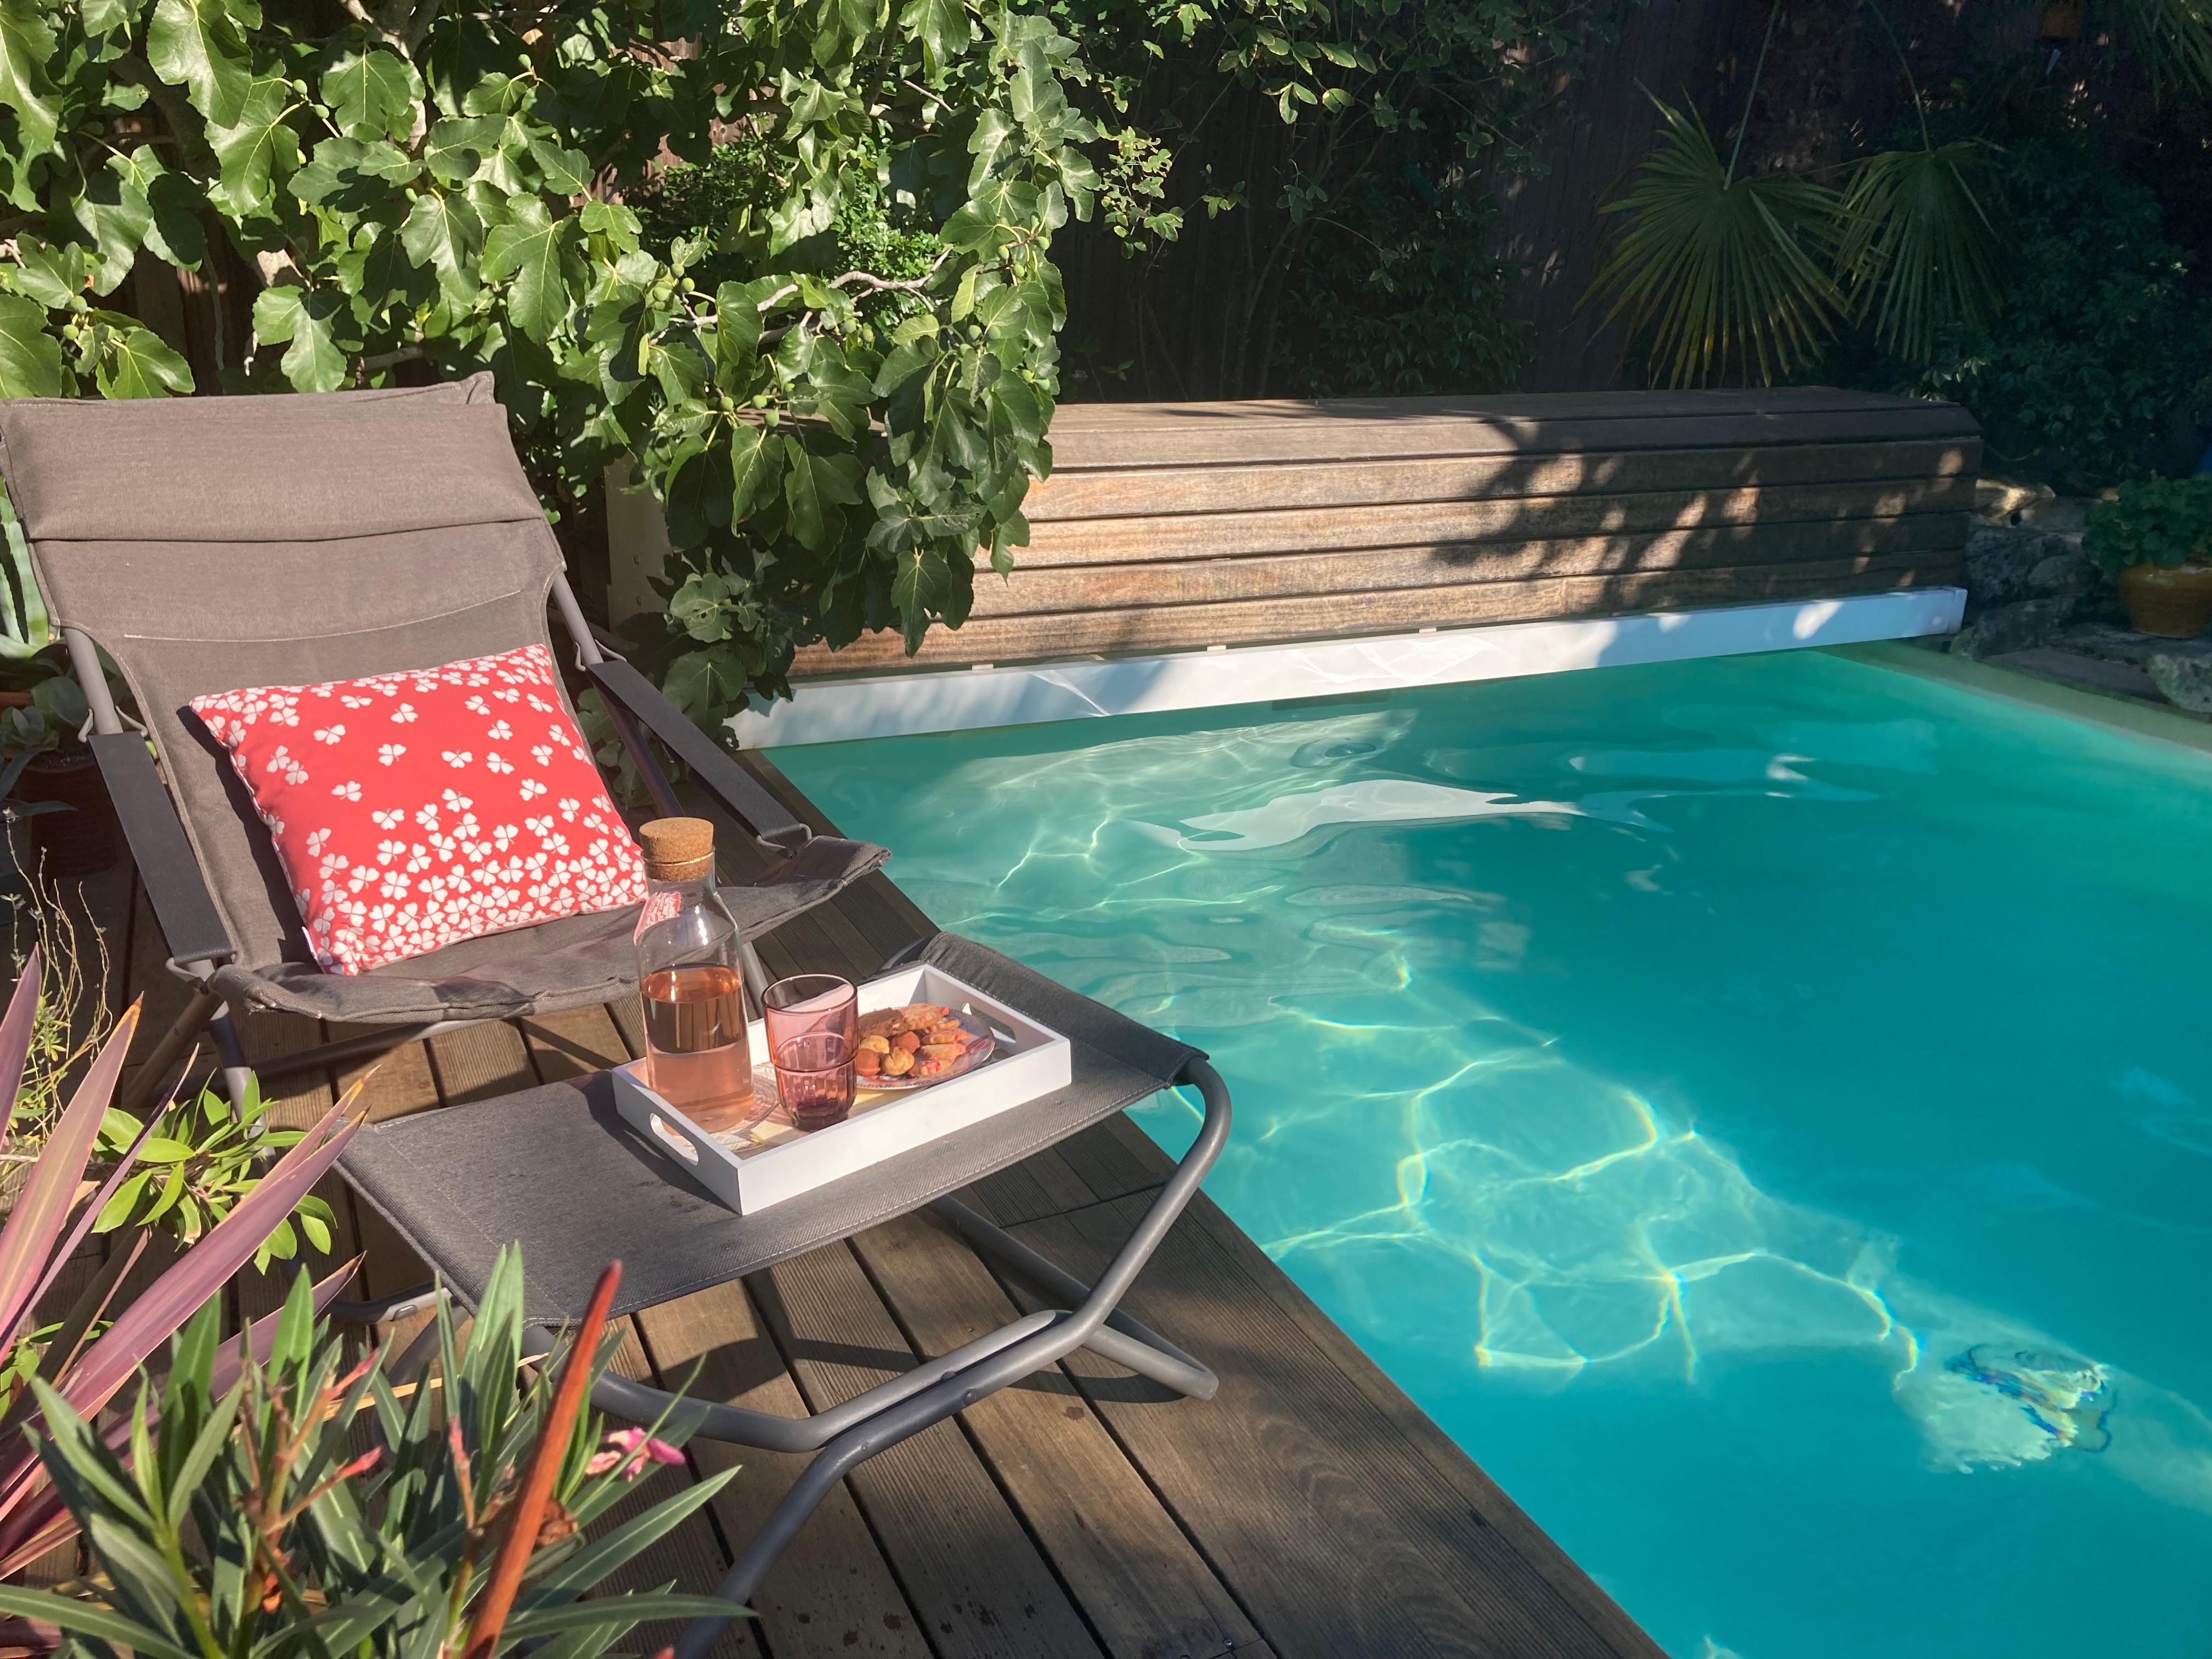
846,1434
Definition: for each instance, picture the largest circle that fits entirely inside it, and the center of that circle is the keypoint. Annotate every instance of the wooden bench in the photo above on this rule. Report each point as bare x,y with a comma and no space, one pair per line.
1177,527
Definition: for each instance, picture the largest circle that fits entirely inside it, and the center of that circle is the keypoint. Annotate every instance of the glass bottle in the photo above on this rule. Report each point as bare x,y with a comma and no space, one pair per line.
688,975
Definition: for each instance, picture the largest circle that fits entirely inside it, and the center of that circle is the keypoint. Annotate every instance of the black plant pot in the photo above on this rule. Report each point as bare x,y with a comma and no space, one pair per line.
80,843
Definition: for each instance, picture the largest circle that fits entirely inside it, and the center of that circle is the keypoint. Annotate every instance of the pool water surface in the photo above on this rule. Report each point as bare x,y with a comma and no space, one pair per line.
1760,1108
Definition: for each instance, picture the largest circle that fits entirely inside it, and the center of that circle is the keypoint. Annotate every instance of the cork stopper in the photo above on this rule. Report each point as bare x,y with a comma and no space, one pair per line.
677,849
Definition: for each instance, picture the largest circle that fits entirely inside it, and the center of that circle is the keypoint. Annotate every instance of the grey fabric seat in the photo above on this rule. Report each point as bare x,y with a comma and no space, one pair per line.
556,1170
210,543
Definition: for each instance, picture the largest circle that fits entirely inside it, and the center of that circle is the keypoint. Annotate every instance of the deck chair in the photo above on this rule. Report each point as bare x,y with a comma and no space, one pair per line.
207,545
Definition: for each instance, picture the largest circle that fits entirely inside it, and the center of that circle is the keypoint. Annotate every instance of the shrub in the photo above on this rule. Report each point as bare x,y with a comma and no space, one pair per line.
248,1521
2099,336
80,1363
418,182
2165,521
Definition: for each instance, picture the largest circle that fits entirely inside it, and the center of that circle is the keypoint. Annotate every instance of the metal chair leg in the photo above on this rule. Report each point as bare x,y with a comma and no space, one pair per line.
171,1053
947,1386
237,1075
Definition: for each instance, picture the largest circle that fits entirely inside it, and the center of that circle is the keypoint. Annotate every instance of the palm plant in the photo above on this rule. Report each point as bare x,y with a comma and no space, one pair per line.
79,1366
2174,40
1728,276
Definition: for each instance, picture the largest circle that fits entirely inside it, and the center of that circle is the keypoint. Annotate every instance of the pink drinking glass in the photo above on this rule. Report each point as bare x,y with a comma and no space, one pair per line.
808,1003
814,1078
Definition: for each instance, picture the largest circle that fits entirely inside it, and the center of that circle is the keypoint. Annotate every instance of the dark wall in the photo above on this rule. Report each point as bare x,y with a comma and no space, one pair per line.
1200,319
1831,84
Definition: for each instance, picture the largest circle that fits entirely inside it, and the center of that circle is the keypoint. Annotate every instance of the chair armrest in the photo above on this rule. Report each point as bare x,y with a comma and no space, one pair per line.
190,924
718,774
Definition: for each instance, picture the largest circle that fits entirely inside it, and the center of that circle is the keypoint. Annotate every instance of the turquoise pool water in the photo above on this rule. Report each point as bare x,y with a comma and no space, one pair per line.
1761,1108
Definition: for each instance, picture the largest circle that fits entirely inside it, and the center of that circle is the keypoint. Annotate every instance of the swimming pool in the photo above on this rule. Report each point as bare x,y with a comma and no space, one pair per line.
1761,1108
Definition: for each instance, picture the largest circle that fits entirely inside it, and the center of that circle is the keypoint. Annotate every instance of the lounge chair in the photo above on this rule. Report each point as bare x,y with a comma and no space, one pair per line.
210,545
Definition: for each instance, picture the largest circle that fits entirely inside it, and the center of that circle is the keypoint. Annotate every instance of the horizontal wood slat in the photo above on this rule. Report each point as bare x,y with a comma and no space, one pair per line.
1184,526
1440,523
1031,592
1203,440
1176,489
1001,640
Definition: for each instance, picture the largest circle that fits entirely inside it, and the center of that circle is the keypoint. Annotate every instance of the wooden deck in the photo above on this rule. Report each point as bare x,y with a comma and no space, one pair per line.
1310,1511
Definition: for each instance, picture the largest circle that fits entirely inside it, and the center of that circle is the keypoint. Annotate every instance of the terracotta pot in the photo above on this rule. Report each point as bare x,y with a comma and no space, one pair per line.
2062,21
71,844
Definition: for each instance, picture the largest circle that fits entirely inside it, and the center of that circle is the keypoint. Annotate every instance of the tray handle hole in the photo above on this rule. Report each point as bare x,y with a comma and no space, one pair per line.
682,1143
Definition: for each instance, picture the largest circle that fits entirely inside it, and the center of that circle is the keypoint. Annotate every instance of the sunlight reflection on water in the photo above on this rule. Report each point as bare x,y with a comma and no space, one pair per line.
1666,1075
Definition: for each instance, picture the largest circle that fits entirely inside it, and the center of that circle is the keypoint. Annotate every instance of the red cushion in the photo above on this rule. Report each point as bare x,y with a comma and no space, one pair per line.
411,811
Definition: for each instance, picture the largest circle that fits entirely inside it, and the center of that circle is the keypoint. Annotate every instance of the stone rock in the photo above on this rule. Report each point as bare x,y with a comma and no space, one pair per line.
2014,627
2185,681
1998,501
2004,566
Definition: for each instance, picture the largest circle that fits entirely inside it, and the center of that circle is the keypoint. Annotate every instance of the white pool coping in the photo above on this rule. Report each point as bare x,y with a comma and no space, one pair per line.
963,699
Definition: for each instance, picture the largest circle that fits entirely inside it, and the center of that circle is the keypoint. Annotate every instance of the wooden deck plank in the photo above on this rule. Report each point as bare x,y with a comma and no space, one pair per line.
1076,494
1487,1498
833,1594
689,1558
1301,1480
481,1062
973,1575
1144,1588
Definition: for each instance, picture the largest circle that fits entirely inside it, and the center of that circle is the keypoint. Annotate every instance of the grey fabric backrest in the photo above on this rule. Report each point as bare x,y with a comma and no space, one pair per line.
208,544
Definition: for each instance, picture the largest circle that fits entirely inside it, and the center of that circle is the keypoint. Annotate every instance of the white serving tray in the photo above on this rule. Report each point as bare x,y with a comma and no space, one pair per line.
768,1161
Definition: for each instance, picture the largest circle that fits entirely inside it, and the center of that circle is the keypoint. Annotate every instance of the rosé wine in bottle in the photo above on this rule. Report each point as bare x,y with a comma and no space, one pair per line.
697,1057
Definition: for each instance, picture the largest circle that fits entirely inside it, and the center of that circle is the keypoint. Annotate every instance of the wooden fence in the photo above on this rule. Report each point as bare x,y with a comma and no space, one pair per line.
1178,526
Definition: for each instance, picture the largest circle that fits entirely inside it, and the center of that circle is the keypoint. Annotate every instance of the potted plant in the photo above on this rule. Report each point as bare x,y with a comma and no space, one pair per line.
41,712
2156,536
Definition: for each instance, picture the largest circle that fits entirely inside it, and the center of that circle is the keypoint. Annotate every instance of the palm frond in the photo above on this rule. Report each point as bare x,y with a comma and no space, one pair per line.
2174,40
1723,276
1918,249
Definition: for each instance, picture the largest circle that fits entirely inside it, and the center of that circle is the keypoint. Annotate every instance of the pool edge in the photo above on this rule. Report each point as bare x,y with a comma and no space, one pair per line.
986,696
2114,712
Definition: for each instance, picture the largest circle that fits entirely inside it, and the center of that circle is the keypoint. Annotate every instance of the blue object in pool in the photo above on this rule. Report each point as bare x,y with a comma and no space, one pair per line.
1760,1108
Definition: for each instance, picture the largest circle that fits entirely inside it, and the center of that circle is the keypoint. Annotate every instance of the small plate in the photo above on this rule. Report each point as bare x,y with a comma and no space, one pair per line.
980,1046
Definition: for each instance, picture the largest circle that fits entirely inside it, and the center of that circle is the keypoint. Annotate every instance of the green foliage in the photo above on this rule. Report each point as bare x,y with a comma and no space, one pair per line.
1400,293
2098,337
1916,249
196,1161
81,1361
1253,170
2165,521
1721,276
245,1521
2174,40
445,184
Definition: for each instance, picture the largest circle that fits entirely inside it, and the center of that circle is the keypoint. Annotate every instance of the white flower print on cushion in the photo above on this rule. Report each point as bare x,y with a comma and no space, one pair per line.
389,860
